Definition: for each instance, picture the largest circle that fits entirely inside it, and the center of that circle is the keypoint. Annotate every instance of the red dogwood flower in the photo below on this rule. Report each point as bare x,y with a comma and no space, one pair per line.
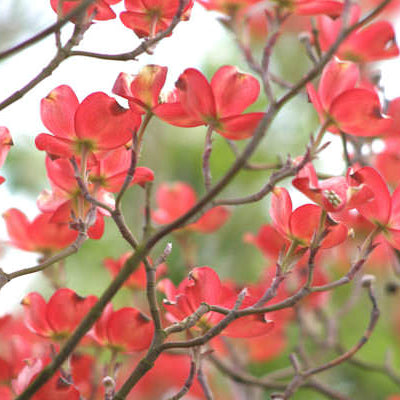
204,285
333,194
137,280
96,125
384,209
40,235
345,107
59,317
100,10
143,89
126,329
374,42
301,224
5,145
148,17
218,104
174,199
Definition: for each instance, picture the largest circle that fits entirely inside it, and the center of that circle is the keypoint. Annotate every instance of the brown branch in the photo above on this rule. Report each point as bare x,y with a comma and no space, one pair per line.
188,383
302,376
48,31
206,158
61,55
71,249
144,47
288,169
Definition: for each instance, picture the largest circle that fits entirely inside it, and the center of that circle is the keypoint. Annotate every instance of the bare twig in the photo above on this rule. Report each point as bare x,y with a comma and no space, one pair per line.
71,249
48,31
206,158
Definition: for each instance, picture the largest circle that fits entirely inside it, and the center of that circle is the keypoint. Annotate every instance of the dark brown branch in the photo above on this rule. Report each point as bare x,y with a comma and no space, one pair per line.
288,169
188,384
302,376
71,249
48,31
144,47
60,56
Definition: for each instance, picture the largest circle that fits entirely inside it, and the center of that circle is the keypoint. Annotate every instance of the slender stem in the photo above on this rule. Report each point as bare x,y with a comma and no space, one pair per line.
73,248
128,178
48,31
206,158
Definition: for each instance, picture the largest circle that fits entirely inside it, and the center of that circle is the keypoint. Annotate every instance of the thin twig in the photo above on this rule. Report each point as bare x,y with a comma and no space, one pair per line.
206,158
71,249
48,31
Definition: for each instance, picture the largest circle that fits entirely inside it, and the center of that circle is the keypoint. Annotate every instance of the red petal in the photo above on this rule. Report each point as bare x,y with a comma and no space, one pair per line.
337,78
281,210
57,111
102,121
130,329
66,309
358,112
5,144
17,228
377,209
196,96
204,286
175,114
304,222
212,220
316,7
140,24
148,83
374,43
233,91
173,200
250,326
35,314
96,231
268,240
54,146
240,126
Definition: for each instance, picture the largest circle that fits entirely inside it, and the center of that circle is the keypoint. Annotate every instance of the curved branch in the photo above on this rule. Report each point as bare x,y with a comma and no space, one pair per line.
48,31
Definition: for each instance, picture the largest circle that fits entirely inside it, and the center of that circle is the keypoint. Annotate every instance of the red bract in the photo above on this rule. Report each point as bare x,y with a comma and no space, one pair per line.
387,162
218,104
137,280
110,172
148,17
315,7
383,210
56,388
40,235
125,330
96,125
268,240
60,316
345,107
374,42
175,199
17,344
5,145
142,90
65,200
301,224
204,285
100,10
333,194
